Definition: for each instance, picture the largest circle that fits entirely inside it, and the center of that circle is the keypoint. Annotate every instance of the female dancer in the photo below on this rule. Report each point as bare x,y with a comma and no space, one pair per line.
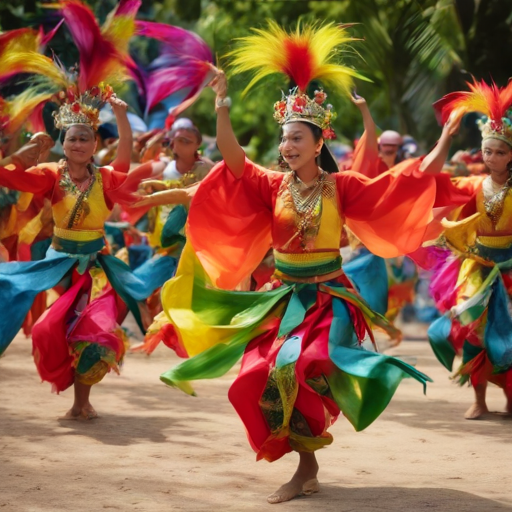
303,362
78,340
474,284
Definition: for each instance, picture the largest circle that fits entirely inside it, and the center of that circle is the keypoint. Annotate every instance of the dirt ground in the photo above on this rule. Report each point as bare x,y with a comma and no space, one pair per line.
156,449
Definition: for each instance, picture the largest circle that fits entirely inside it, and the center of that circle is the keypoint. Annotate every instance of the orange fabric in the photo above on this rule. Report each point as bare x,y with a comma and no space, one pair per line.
366,159
230,220
229,223
390,213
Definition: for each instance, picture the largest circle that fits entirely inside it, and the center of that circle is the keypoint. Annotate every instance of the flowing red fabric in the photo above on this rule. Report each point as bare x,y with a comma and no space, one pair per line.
366,159
49,337
236,214
259,357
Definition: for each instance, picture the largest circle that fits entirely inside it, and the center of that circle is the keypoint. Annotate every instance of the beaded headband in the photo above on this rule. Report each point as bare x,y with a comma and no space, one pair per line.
82,108
298,106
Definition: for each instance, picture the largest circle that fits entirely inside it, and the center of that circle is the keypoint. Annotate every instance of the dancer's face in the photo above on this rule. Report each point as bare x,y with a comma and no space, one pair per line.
298,145
497,155
79,144
184,145
389,149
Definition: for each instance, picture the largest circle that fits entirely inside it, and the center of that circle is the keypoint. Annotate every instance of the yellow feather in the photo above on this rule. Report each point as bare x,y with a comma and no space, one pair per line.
310,52
22,106
30,62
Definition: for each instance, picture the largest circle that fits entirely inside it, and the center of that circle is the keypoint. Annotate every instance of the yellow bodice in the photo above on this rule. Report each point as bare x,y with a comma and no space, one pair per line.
285,233
310,254
91,217
504,223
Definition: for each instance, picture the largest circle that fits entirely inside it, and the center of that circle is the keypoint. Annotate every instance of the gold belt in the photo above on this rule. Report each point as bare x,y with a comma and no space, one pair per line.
306,257
77,235
498,242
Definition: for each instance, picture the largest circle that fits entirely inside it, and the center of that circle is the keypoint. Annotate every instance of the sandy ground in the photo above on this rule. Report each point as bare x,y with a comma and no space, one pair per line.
156,449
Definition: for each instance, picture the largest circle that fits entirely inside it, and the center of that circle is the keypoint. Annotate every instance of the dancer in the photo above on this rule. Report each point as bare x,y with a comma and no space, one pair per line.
473,285
78,340
302,362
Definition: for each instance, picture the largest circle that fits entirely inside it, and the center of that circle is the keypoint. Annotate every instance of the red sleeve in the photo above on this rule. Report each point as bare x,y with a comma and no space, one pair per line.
119,187
36,180
389,214
396,212
230,219
366,159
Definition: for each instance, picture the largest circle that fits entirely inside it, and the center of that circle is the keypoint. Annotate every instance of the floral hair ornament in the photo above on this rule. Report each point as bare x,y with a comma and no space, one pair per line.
81,108
300,107
310,52
490,100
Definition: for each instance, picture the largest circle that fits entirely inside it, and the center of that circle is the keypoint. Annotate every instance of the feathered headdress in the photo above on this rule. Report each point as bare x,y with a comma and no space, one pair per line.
311,52
490,100
178,75
103,58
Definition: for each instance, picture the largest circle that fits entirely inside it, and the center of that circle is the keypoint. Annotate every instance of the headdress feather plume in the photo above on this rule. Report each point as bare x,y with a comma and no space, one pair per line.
21,52
486,99
103,50
311,52
181,71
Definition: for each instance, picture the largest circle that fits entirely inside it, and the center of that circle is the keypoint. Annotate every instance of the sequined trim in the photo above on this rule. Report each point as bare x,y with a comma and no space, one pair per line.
77,235
501,242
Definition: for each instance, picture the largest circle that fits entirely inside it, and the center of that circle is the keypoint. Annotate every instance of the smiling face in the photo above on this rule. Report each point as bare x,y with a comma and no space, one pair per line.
497,155
79,144
298,145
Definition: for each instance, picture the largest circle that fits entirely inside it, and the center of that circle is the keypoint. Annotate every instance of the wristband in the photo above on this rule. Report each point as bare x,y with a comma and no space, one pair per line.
223,102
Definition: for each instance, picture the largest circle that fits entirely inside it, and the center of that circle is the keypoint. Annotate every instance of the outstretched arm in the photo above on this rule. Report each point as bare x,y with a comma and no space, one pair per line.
168,197
232,152
124,148
370,128
13,169
434,161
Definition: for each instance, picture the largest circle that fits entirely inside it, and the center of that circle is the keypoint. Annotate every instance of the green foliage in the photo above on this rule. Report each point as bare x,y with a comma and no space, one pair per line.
414,51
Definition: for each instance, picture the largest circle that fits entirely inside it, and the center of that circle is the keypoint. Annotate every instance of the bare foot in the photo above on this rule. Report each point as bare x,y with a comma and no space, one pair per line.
295,487
72,414
88,413
476,411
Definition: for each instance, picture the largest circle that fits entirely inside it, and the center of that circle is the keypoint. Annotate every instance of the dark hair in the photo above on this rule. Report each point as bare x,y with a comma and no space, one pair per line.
190,129
315,130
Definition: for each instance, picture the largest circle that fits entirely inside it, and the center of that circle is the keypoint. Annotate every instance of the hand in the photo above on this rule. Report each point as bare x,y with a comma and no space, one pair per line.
452,126
357,100
44,140
45,144
28,155
154,185
220,83
118,105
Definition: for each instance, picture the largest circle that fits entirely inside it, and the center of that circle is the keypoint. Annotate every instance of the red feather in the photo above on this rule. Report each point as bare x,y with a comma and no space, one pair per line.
300,63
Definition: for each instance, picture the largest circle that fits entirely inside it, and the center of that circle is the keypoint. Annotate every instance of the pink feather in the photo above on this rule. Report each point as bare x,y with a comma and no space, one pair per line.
183,68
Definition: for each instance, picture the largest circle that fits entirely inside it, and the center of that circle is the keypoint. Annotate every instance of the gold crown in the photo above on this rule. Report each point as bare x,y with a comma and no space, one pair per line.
82,108
491,129
298,106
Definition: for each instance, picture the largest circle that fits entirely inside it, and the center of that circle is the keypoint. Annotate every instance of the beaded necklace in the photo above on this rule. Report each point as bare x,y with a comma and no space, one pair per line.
81,207
495,202
306,202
